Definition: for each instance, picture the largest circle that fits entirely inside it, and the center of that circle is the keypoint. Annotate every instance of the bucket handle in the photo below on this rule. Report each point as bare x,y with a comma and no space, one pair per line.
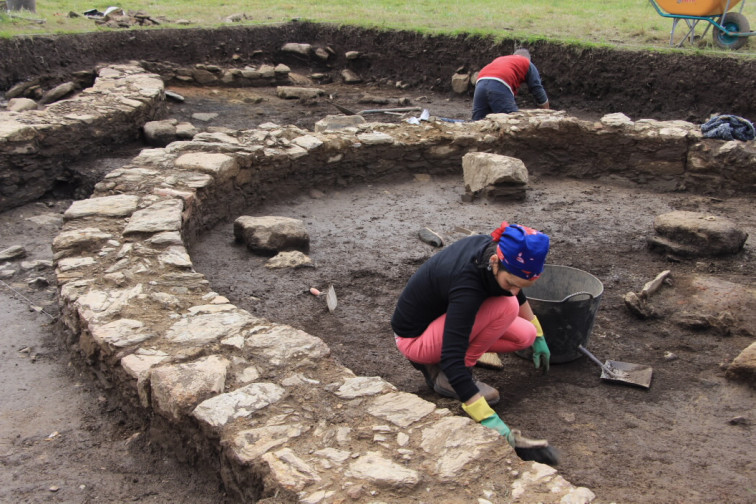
582,293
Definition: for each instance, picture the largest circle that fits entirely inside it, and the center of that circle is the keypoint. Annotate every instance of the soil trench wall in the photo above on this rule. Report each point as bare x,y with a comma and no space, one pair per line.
640,84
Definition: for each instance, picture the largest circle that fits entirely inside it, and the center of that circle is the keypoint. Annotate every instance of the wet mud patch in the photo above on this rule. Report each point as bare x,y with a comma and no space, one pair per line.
680,441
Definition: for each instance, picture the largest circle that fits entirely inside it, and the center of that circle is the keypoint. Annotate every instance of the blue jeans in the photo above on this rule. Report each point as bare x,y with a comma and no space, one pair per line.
492,97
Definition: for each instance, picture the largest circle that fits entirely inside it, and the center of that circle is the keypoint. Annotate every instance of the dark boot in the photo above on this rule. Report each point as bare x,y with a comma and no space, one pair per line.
424,368
437,380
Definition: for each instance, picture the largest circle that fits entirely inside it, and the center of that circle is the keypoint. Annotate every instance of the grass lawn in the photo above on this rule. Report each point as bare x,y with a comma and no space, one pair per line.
631,23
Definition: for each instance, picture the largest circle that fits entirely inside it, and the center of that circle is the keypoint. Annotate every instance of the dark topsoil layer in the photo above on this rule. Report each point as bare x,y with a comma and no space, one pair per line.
641,84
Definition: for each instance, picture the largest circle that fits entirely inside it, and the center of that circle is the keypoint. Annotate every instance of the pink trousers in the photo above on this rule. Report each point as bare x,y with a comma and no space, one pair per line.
497,328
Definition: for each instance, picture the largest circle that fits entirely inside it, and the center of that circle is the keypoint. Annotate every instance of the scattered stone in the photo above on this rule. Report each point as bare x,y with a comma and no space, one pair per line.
160,133
47,219
498,176
430,237
743,367
368,98
350,77
21,104
185,131
271,233
172,95
14,252
36,265
352,55
337,122
722,322
638,306
460,83
204,116
289,259
322,54
58,92
292,92
670,356
235,18
331,300
654,285
299,49
739,420
694,234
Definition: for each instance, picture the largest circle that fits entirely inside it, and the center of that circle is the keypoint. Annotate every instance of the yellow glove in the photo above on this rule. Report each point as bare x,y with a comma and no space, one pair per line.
482,413
537,324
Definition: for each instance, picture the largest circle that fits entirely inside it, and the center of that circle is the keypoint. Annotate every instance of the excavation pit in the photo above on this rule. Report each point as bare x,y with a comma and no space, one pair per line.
364,243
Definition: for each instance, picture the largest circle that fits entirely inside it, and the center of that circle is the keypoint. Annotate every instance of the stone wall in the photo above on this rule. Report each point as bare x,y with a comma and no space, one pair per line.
37,145
266,400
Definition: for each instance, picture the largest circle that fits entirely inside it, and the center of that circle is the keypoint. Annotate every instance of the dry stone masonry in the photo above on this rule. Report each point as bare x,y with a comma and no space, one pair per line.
263,399
36,145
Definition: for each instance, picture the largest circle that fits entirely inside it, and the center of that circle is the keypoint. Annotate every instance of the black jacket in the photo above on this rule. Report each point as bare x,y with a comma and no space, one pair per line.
455,281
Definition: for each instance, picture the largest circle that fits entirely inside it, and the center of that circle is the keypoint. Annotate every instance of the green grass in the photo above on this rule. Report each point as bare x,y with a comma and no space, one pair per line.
632,23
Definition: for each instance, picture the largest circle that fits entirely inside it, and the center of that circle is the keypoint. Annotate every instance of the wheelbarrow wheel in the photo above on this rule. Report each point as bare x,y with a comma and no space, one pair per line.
732,22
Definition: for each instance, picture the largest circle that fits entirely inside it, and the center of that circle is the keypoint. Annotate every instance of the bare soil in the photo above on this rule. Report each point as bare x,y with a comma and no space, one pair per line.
689,439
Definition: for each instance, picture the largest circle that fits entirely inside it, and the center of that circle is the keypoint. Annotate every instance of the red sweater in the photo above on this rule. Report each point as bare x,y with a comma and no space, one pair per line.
512,70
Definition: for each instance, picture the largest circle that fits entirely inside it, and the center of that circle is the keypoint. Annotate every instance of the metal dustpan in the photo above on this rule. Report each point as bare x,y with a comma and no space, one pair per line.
625,373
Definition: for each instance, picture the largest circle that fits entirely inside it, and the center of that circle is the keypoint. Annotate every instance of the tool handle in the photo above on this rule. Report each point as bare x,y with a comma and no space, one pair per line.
594,359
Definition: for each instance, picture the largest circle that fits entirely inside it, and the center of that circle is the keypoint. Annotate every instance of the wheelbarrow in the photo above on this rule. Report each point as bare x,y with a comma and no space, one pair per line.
730,30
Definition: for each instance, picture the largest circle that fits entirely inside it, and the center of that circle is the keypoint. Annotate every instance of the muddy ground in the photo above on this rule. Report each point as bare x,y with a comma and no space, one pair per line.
689,439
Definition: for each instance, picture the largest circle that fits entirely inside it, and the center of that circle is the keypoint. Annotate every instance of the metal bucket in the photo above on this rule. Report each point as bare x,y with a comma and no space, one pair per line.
565,300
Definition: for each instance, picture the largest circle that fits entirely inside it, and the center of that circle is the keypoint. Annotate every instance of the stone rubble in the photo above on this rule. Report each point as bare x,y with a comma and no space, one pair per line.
267,401
495,176
271,233
693,234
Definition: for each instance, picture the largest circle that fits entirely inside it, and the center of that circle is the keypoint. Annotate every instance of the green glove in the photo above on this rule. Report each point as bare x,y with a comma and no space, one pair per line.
541,353
482,413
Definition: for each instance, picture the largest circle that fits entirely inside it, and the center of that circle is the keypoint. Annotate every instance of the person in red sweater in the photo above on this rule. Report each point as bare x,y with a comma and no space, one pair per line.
499,81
